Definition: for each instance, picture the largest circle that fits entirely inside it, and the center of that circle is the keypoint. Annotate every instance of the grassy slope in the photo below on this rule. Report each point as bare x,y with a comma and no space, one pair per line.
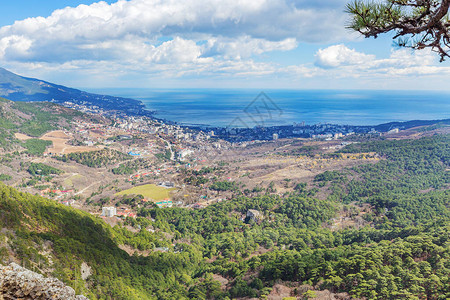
149,191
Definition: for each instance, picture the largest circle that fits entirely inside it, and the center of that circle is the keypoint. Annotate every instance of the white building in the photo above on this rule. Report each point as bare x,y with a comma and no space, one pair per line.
337,135
395,130
183,153
109,211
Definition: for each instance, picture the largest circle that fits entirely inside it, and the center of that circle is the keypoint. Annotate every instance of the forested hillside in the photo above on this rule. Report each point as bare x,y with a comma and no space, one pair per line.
400,252
34,120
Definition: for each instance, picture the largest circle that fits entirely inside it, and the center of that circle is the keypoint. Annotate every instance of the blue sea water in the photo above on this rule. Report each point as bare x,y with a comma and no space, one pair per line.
222,107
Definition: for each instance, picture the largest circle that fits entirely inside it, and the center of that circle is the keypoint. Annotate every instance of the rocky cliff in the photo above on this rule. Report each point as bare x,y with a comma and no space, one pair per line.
21,284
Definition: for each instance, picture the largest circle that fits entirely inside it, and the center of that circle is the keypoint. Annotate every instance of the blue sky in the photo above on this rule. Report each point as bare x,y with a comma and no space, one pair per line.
299,44
21,9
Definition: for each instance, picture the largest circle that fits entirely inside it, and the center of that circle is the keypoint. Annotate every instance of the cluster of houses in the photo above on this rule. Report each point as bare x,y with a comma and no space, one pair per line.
164,203
149,173
111,211
56,192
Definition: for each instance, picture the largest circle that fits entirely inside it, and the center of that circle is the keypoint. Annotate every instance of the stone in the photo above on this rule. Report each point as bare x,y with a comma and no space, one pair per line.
17,283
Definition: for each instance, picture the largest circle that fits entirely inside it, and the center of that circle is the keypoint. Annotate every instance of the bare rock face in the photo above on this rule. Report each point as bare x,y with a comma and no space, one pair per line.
85,271
17,283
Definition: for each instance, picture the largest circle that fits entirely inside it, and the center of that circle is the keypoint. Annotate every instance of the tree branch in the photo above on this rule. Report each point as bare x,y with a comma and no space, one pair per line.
408,18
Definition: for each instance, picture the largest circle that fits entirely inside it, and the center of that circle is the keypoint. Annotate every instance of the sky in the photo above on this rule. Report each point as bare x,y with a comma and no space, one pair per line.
269,44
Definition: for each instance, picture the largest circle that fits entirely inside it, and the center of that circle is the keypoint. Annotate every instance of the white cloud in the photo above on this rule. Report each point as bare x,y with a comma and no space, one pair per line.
245,47
340,61
157,68
233,29
164,39
176,51
339,55
15,46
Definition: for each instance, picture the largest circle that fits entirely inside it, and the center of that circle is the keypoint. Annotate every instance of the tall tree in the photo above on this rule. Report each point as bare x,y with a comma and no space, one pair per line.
418,24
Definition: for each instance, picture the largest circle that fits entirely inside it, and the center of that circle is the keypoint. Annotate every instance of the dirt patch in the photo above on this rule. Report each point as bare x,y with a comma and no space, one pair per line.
297,169
59,139
130,250
279,292
57,134
22,137
293,290
223,281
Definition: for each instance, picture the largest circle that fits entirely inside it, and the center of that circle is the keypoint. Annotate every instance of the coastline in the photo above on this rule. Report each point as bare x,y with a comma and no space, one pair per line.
221,107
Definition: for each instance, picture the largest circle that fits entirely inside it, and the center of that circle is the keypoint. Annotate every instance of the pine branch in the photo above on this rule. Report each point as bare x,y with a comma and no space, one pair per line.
426,19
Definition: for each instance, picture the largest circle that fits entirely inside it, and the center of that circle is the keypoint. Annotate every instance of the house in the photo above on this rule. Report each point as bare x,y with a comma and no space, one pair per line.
167,184
134,153
197,206
184,153
68,202
109,211
164,203
124,137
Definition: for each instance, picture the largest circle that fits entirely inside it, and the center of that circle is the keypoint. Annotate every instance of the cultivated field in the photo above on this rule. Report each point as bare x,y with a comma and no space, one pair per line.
149,191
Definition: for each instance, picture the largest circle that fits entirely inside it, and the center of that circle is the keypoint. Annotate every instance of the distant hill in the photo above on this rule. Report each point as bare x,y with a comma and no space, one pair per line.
34,119
409,124
18,88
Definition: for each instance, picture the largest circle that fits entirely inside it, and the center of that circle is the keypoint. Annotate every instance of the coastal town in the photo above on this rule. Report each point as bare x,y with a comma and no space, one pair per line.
225,150
113,164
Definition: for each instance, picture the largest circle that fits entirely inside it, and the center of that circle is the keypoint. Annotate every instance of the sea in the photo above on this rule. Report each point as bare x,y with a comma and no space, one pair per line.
249,108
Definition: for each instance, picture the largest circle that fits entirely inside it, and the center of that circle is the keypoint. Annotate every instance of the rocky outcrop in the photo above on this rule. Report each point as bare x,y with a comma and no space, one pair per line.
297,291
255,215
17,283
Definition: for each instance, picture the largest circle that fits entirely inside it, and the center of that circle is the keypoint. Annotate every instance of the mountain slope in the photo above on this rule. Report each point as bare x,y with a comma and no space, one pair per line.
18,88
56,240
35,119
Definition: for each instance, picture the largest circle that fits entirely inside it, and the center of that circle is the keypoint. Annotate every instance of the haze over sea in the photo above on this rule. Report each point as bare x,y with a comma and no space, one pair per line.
219,107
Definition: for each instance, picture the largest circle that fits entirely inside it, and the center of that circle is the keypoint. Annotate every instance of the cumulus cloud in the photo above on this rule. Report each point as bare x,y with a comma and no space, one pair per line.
204,38
341,61
339,55
15,46
245,46
229,28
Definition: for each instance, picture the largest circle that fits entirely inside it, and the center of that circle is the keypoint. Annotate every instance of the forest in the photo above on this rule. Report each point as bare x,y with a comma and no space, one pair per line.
400,252
42,169
96,159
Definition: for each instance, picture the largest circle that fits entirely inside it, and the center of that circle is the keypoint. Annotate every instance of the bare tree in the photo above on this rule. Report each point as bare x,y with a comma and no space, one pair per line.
417,24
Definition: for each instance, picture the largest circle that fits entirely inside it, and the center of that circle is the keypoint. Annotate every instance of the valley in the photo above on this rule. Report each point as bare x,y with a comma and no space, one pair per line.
213,219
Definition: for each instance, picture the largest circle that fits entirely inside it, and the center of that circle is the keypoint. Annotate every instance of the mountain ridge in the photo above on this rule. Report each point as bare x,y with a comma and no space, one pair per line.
20,88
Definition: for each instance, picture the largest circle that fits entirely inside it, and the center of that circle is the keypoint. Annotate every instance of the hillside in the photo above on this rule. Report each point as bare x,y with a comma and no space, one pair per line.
258,246
18,88
34,119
